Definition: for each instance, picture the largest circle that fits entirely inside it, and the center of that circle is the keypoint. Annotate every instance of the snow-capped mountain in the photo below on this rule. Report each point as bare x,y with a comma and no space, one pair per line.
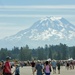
49,30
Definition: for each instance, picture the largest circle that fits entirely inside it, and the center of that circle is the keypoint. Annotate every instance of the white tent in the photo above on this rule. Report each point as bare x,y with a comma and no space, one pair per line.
49,59
70,59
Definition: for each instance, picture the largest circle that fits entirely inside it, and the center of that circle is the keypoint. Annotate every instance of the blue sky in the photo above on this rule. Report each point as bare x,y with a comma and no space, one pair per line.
16,15
36,2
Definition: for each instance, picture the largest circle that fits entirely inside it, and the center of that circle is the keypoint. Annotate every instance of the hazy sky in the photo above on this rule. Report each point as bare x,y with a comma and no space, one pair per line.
16,15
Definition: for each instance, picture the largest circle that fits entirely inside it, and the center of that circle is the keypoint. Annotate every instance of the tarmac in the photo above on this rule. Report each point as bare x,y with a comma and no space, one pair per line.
27,70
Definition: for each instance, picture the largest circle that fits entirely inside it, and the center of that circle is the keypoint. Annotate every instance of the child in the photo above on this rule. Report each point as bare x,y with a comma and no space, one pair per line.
17,72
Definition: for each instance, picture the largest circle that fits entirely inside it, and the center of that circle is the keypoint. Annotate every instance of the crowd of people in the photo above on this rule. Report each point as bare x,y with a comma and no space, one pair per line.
45,67
40,67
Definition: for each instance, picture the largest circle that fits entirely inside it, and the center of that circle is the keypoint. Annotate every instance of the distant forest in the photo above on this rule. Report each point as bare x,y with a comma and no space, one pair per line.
58,52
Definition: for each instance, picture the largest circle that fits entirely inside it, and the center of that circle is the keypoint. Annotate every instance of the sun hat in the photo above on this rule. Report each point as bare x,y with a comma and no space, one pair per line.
8,58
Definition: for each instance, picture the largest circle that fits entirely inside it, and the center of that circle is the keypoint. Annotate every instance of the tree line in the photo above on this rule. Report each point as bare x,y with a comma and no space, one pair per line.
58,52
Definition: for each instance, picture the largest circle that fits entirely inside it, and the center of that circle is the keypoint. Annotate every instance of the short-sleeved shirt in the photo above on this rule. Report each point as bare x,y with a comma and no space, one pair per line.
39,69
33,64
58,65
7,64
53,64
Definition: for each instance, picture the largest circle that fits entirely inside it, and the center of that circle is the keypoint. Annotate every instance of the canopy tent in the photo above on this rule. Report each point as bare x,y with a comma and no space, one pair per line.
49,59
70,59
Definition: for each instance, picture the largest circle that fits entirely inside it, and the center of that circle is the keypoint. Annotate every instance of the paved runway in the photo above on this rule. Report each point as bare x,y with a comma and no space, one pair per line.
28,71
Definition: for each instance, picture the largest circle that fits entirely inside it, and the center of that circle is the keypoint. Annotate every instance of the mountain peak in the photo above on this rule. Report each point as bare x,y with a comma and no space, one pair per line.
51,18
55,18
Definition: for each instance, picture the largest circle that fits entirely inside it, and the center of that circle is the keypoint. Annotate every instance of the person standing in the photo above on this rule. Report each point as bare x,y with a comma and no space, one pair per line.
7,66
67,65
58,67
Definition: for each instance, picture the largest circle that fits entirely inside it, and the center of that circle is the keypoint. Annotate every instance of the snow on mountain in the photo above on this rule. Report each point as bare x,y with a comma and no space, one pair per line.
54,26
49,29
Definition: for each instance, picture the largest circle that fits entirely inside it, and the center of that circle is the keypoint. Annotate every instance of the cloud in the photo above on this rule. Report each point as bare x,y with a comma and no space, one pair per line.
37,15
10,30
2,23
40,7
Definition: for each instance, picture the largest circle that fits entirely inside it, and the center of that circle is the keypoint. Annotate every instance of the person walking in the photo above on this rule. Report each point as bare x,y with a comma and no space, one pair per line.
54,64
47,68
17,68
33,66
38,68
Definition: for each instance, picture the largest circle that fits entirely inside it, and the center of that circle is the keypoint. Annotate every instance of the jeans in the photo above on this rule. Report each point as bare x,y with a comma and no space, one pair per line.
47,73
